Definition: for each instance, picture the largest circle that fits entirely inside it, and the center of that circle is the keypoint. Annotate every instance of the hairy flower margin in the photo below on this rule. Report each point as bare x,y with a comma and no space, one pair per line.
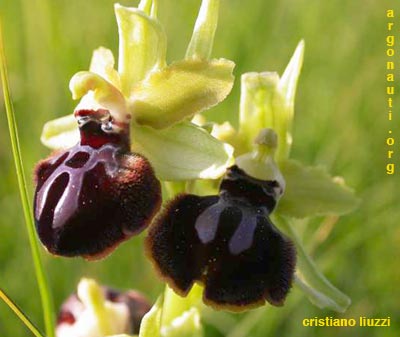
158,100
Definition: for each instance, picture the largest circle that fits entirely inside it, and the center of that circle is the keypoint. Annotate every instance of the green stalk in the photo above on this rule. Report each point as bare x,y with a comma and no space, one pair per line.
45,295
17,311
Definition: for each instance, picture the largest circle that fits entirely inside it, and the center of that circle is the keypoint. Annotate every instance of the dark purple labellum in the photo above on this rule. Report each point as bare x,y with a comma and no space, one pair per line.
227,243
95,195
137,305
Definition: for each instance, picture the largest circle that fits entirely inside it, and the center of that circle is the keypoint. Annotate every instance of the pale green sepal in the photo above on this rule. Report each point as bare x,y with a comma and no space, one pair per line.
288,82
318,289
186,325
182,152
102,64
287,89
142,44
151,322
60,133
201,43
181,90
150,7
154,9
310,191
145,6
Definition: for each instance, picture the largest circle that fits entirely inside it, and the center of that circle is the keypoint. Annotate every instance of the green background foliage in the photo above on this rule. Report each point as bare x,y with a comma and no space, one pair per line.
340,123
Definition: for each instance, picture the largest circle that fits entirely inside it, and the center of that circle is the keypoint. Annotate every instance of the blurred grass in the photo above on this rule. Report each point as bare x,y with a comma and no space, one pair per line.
340,123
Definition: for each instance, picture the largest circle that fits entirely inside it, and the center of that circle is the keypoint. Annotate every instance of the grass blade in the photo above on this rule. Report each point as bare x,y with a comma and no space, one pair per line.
45,295
20,314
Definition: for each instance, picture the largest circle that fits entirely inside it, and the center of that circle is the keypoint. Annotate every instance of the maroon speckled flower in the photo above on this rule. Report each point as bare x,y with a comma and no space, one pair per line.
226,242
95,195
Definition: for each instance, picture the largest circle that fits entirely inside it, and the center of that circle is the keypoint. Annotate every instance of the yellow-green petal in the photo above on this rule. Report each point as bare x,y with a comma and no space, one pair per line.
60,133
99,93
102,64
142,45
181,90
288,82
201,43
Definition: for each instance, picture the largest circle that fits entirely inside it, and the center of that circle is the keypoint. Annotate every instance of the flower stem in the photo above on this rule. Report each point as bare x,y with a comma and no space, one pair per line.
45,295
20,314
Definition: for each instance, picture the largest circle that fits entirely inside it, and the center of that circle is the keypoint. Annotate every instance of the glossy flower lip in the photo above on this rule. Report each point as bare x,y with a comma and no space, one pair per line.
95,195
226,242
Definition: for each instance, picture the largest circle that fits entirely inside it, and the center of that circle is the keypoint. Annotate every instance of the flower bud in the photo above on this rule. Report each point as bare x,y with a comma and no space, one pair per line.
99,311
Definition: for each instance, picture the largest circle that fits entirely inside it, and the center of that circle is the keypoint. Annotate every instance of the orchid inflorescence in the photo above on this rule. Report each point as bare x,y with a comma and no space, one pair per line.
137,137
